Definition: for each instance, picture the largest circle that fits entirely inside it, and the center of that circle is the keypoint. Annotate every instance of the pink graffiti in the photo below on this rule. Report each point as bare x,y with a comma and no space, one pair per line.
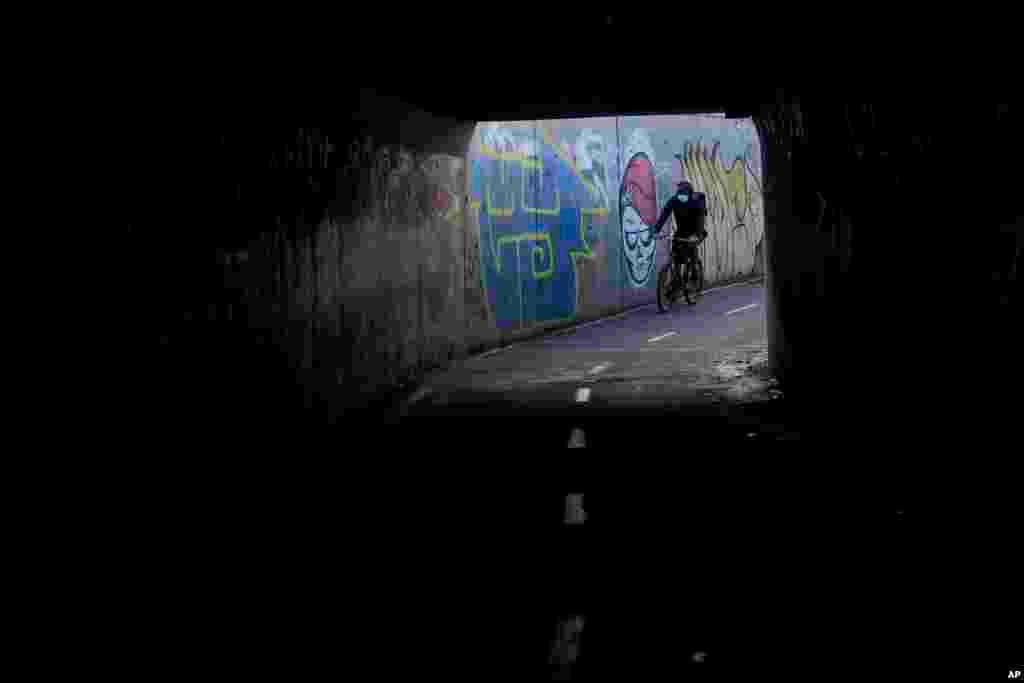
639,184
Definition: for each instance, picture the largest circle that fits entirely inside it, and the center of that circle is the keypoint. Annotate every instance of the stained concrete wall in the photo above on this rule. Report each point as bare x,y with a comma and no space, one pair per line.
370,295
296,271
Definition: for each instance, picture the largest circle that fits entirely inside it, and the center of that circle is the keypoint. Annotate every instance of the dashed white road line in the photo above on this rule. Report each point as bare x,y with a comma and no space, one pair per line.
583,394
661,336
741,308
577,439
600,367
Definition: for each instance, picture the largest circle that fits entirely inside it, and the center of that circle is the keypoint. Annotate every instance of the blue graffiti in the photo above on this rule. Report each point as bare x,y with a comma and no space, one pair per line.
536,216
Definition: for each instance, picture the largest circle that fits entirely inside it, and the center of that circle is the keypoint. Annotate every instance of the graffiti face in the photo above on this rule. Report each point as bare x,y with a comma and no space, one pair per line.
638,209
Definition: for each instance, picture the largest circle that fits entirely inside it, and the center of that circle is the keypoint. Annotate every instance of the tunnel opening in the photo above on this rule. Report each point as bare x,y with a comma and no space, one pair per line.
560,233
351,255
563,211
363,258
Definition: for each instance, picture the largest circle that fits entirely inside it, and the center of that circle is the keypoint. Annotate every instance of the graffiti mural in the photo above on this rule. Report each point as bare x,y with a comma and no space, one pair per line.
423,255
591,158
722,168
537,201
563,211
725,184
638,208
721,157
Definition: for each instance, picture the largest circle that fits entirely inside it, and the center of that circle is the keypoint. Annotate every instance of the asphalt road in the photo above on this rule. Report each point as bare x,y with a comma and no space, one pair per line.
719,521
723,520
584,386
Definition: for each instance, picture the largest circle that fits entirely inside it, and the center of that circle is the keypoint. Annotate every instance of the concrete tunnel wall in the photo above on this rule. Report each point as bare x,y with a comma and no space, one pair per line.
374,283
442,240
893,238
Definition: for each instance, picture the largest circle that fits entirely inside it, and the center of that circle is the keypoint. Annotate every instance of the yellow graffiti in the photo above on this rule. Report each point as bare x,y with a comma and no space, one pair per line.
585,252
499,212
576,254
537,166
733,201
533,169
543,245
501,156
454,212
532,163
737,194
538,252
492,210
728,193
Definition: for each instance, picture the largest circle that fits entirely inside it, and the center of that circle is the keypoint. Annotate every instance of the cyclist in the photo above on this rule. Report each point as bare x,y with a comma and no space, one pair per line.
690,209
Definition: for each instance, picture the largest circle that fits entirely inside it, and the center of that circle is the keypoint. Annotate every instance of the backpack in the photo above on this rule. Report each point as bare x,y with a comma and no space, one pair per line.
698,201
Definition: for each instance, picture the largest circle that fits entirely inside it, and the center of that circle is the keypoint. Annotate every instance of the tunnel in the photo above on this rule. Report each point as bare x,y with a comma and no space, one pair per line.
302,224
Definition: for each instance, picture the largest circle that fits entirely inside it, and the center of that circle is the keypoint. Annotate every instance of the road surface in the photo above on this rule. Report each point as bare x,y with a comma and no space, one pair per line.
714,540
581,387
720,519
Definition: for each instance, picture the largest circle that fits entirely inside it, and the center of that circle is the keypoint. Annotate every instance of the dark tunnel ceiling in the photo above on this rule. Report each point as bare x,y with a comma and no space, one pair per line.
565,100
474,67
562,62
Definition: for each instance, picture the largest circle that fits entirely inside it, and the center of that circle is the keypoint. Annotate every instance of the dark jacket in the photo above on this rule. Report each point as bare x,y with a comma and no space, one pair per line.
689,215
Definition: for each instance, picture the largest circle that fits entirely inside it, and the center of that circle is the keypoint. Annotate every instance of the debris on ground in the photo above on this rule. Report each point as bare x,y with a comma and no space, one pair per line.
745,371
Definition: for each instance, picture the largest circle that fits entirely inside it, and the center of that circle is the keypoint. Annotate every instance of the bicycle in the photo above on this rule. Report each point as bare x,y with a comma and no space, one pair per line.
692,285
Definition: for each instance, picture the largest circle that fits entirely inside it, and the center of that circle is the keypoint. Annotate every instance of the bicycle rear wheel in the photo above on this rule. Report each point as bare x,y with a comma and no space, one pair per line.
666,297
693,281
